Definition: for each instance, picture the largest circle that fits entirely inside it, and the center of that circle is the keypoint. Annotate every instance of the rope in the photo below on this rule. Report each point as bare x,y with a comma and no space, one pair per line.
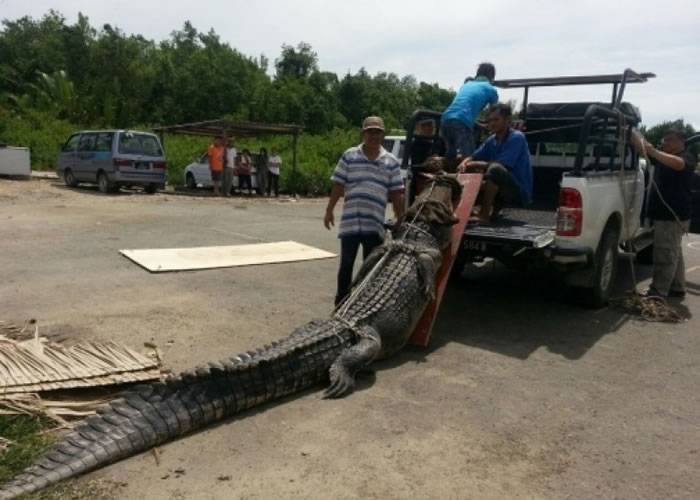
652,309
343,307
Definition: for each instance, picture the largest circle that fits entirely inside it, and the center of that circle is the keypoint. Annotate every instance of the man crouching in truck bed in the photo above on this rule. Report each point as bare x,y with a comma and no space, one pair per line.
505,160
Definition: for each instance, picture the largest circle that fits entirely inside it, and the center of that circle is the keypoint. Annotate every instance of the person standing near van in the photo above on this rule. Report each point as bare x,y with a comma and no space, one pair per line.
244,170
215,154
366,175
261,171
457,122
229,167
274,162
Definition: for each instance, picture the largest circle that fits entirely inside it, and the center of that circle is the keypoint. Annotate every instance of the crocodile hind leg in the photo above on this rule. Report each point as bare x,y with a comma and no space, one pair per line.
342,371
428,264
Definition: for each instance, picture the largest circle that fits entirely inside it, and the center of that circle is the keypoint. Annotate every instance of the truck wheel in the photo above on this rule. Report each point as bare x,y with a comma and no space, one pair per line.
458,265
606,257
104,184
646,256
190,182
151,188
69,178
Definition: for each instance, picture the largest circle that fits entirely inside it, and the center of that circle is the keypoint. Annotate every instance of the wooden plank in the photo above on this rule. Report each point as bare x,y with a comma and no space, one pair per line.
186,259
471,184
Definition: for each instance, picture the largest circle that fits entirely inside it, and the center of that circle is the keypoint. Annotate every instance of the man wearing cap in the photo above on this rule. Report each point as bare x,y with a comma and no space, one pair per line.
669,208
366,175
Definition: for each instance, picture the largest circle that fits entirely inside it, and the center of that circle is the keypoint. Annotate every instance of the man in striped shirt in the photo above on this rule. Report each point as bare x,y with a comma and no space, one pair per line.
367,176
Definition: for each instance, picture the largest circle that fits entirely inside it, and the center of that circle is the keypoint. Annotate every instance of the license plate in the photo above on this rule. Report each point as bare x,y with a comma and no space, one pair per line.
474,246
144,165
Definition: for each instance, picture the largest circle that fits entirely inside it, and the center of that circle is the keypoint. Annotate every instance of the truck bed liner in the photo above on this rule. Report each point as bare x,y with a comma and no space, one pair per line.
526,227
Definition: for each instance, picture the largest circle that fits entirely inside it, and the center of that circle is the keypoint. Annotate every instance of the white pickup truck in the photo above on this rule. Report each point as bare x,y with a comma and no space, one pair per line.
590,190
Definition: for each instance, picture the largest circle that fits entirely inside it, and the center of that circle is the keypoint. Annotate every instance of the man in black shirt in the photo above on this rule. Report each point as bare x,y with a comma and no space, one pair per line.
669,208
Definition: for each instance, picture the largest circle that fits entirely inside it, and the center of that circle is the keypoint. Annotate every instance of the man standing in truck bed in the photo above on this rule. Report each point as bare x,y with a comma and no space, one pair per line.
669,208
457,122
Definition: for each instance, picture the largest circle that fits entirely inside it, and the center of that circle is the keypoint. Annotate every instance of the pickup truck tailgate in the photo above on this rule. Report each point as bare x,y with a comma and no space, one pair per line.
525,228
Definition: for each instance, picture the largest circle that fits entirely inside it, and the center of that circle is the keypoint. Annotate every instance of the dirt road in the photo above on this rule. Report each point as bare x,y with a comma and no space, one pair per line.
521,395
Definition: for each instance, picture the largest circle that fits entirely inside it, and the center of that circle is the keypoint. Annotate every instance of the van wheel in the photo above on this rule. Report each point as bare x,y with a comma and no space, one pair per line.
69,178
190,182
151,188
606,258
104,184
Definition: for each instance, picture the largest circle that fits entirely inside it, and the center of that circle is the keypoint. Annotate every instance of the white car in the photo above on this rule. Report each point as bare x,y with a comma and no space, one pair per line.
197,174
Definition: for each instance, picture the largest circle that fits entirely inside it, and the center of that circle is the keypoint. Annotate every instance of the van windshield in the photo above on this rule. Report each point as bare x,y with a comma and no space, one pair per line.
139,144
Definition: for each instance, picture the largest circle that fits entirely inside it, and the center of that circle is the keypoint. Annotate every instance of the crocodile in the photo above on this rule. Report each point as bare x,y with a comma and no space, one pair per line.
388,296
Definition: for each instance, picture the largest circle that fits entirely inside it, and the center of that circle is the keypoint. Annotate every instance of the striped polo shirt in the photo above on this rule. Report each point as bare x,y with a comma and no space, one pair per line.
367,186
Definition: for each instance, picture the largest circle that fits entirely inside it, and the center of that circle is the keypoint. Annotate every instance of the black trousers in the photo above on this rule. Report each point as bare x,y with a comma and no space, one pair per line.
349,245
273,183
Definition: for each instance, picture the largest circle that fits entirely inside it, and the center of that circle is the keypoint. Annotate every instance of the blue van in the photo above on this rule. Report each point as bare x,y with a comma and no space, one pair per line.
113,158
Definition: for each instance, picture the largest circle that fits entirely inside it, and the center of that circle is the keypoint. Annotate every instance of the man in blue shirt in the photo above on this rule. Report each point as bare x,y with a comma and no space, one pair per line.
505,160
457,123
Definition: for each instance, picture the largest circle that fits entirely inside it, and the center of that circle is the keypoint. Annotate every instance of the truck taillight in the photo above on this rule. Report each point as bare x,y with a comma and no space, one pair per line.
570,213
160,164
121,163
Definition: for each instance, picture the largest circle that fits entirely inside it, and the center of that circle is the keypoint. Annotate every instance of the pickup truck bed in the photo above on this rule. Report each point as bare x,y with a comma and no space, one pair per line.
529,228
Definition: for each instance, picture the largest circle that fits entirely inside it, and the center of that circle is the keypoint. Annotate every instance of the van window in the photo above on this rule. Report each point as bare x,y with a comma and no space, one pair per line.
402,147
139,144
389,145
104,142
87,142
71,144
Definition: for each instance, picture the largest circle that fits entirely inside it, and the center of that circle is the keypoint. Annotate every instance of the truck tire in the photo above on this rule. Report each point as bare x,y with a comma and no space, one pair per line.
605,270
646,256
458,265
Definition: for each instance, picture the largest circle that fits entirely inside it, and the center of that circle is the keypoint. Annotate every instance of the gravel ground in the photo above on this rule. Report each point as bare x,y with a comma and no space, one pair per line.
520,395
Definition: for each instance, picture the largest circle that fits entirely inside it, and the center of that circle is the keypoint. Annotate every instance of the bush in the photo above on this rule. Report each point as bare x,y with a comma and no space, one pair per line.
42,133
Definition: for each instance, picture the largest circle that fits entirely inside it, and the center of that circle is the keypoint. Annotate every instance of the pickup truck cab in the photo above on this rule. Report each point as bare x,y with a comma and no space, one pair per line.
590,190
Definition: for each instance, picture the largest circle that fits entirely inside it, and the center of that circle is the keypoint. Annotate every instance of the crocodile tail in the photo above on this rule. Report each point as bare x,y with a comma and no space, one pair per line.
151,414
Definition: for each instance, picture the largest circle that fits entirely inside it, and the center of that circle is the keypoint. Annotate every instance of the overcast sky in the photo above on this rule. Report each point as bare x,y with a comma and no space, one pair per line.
444,41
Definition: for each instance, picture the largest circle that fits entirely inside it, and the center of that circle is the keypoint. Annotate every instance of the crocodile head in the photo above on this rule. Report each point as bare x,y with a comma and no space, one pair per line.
433,209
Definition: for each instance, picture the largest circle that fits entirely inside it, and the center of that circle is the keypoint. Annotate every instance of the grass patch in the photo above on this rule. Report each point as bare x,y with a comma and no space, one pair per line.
28,441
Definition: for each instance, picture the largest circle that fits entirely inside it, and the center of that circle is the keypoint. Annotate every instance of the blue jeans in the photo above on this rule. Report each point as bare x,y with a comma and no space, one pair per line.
458,137
349,245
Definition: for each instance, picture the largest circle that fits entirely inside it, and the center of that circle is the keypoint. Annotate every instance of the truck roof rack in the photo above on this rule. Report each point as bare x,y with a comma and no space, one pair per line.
555,81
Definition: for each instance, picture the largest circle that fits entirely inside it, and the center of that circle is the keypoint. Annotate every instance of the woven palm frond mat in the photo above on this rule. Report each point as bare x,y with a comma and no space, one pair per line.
34,364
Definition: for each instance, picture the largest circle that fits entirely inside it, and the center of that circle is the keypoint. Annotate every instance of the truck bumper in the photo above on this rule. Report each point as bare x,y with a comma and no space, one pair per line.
570,255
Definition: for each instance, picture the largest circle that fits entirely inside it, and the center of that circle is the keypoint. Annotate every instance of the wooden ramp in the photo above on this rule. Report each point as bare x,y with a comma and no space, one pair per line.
471,184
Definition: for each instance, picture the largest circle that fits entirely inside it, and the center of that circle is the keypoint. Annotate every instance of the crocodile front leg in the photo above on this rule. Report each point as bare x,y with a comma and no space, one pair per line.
342,371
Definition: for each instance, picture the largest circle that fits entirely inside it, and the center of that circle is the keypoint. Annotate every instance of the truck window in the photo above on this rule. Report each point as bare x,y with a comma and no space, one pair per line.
139,144
71,144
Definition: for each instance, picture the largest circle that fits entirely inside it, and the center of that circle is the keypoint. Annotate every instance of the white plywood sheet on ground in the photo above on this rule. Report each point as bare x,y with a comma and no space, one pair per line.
187,259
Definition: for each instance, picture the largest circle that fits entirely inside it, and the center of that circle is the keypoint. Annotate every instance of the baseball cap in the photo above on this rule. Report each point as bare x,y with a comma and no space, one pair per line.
373,122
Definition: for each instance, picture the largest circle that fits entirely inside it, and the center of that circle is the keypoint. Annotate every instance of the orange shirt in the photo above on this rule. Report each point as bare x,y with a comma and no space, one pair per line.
216,157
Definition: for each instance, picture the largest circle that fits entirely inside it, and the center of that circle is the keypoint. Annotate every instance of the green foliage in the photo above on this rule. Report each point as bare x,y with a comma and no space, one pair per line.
42,132
27,442
656,133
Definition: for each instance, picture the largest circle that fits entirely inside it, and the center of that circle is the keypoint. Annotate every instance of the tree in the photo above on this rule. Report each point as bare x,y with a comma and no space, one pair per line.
296,63
656,133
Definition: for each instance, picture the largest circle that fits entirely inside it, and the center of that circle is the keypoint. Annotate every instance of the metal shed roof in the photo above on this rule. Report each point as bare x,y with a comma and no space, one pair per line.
213,128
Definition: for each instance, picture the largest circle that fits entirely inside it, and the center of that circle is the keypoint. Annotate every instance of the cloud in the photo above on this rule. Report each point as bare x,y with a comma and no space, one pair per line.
444,41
